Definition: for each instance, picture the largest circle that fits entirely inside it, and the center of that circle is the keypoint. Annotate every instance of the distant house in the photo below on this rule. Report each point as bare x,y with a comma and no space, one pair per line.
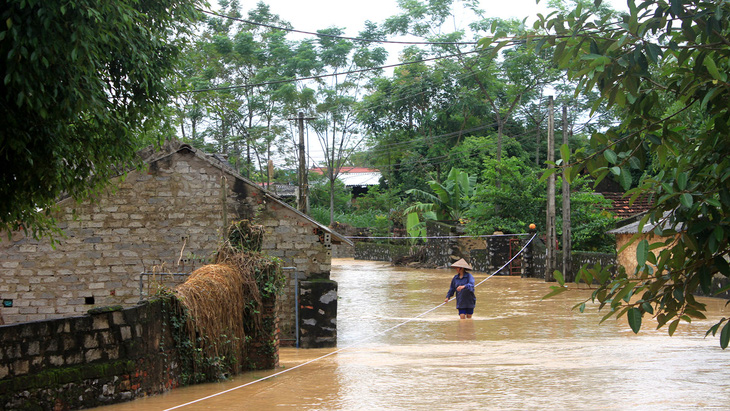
624,234
358,179
166,218
622,206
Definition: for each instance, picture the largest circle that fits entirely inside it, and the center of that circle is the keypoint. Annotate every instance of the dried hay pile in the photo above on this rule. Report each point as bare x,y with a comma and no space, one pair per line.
224,300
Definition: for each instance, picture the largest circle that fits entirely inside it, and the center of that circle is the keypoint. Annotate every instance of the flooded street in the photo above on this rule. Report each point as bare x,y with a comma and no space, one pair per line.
518,352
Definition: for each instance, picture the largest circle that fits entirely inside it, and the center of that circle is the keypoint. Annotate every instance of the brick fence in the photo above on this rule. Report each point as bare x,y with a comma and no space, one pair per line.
106,357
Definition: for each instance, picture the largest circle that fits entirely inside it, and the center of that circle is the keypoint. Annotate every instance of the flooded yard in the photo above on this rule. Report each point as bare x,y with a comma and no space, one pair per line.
518,352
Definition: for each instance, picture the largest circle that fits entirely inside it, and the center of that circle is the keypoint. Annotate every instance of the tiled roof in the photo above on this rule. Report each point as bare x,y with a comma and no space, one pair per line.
622,208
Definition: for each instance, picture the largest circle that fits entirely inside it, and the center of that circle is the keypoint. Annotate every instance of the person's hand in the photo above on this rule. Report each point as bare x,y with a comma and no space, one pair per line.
459,288
446,300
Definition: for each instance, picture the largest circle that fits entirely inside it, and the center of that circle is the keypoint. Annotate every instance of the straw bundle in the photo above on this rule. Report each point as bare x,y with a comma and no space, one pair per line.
224,300
221,299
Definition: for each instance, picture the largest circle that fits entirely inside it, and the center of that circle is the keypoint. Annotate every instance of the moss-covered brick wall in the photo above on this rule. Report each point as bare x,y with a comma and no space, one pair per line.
110,356
77,362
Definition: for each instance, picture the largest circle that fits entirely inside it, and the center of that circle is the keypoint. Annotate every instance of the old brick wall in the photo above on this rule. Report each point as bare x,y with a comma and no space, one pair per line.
106,357
383,252
86,361
145,222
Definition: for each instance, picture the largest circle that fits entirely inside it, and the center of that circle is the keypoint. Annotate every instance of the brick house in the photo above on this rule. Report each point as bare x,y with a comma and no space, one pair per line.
166,218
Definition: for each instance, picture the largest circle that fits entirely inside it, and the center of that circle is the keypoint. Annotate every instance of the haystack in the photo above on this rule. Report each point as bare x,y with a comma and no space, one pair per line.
224,300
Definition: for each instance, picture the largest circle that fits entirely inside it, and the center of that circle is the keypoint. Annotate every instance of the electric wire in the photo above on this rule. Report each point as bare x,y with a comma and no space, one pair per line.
320,76
442,237
434,43
355,344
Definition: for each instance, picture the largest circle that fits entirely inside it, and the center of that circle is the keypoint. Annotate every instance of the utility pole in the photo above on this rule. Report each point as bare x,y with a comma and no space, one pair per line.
567,245
302,178
551,235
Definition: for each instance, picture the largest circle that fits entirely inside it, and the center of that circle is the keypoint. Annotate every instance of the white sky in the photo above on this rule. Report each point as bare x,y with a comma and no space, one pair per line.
312,15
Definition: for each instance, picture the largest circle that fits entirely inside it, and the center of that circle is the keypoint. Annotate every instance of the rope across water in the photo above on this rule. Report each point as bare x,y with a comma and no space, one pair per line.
355,344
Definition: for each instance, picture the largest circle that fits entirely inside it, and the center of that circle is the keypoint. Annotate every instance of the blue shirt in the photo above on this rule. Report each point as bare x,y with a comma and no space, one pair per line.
464,298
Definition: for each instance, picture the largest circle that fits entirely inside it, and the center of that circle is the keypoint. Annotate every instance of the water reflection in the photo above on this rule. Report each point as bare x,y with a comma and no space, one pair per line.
518,352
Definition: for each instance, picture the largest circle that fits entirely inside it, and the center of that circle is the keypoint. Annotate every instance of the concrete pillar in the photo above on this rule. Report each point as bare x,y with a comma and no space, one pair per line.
318,314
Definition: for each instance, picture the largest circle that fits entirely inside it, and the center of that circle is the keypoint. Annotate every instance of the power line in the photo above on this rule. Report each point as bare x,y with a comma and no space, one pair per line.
298,79
432,43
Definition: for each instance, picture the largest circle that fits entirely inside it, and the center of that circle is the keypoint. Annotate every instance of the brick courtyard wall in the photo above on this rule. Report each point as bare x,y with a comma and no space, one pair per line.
103,358
87,361
144,222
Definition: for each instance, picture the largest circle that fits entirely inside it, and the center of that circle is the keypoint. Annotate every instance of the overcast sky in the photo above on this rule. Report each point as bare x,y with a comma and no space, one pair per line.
312,15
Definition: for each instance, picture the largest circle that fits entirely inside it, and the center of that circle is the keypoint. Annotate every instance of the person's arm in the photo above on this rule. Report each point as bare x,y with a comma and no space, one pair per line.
470,285
452,290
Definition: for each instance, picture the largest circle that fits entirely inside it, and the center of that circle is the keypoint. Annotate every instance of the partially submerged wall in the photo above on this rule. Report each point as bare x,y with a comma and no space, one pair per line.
300,244
87,361
383,252
103,358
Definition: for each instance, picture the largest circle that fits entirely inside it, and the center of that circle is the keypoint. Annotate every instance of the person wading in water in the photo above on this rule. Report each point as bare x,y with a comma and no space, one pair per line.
463,285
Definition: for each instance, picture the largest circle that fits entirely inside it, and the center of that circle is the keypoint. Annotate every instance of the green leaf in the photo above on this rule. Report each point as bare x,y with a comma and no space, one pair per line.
565,153
625,179
634,316
686,200
712,68
682,181
713,329
624,293
642,251
725,335
559,277
673,327
610,156
647,307
555,291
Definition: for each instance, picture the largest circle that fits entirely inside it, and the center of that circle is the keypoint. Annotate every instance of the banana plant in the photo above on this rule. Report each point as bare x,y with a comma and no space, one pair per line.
449,201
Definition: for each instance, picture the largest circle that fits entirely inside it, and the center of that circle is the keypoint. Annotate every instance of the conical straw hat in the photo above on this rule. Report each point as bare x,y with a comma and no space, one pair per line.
462,263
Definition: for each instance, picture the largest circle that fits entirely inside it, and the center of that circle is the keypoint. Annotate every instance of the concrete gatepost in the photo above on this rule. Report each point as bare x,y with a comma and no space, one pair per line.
528,259
498,252
318,314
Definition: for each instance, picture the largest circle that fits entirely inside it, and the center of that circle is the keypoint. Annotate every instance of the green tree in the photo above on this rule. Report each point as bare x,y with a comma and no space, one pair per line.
511,207
229,57
81,80
664,67
336,126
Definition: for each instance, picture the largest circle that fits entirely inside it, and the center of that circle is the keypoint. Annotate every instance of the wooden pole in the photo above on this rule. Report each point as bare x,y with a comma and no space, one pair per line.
303,183
567,245
551,235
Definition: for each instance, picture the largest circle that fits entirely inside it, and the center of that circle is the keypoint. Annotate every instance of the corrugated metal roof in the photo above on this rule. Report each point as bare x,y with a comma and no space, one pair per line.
360,179
633,228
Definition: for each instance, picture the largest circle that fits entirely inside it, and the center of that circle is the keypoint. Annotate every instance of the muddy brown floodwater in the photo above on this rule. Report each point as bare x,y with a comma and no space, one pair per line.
518,352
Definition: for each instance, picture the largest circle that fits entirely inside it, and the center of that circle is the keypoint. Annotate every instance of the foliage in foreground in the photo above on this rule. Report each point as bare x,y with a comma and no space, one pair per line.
665,67
74,101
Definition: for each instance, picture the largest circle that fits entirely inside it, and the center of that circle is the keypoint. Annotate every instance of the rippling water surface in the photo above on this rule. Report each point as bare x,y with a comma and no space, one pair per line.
518,352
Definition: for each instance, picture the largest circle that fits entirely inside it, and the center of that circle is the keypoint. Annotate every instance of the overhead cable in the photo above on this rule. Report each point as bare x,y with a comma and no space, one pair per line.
432,43
294,80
